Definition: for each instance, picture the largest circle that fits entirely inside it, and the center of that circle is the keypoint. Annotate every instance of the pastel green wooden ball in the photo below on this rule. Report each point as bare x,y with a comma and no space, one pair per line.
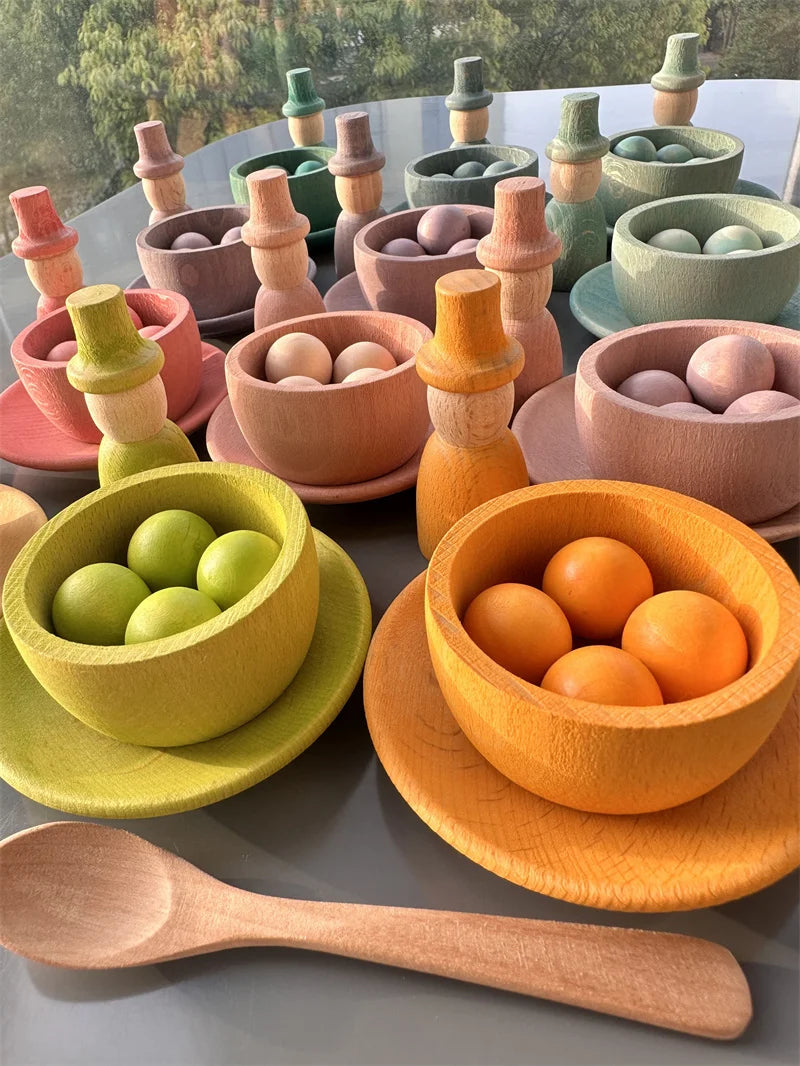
501,166
676,240
309,165
166,548
636,148
698,159
471,169
441,175
167,613
234,564
732,239
673,153
93,604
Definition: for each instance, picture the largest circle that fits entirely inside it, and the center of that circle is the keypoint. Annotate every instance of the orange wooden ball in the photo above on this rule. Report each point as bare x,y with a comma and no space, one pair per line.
519,627
601,674
690,642
597,582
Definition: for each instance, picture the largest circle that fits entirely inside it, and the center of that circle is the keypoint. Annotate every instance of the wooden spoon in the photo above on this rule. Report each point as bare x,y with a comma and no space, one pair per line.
88,896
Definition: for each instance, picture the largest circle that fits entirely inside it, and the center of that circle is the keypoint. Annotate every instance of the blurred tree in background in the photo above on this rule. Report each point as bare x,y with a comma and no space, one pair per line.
80,73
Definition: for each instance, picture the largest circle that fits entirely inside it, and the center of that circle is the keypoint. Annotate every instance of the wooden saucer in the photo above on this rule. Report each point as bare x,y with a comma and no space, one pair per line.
736,840
56,760
593,301
226,444
346,295
548,435
28,438
743,187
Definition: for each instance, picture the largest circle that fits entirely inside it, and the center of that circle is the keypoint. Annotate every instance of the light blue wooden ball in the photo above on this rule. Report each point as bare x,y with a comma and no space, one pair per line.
639,148
471,169
500,166
673,153
676,240
732,239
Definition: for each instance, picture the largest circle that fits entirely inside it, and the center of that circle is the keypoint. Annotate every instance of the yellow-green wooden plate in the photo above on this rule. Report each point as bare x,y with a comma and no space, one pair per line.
53,758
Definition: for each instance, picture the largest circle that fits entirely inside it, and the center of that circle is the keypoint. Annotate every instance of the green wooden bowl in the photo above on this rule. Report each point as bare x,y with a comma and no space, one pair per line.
195,685
424,190
628,183
313,194
655,285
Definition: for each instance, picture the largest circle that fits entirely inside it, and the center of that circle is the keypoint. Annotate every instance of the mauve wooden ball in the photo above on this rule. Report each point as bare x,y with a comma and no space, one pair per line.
763,402
298,354
360,356
727,367
655,387
684,408
463,246
135,318
231,235
403,246
366,373
190,240
150,331
442,227
60,353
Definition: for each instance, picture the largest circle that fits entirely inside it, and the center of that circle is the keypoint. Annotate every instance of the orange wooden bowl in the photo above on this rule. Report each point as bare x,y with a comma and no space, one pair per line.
47,384
613,760
747,465
337,434
407,286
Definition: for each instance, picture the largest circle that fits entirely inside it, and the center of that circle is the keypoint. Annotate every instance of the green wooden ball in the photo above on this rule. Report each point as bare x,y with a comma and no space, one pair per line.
636,148
168,612
676,240
93,604
471,169
732,239
166,548
500,166
673,153
309,165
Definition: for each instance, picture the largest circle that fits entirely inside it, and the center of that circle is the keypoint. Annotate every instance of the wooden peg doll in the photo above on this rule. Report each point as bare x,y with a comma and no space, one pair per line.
357,167
118,371
304,109
521,250
160,170
468,103
276,233
469,366
575,214
677,82
47,246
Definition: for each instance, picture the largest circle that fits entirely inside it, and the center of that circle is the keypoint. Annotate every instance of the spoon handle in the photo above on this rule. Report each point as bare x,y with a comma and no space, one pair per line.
665,979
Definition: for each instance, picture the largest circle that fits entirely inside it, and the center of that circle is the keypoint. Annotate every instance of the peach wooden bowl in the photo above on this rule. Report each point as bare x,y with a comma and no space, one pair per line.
403,285
197,684
613,760
336,434
746,465
216,281
47,384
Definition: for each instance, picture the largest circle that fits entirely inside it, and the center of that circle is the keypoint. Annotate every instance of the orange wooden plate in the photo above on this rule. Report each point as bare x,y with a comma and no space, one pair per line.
735,840
28,438
226,444
548,435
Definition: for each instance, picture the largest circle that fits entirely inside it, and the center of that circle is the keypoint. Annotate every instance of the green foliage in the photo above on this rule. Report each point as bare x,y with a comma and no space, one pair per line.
765,40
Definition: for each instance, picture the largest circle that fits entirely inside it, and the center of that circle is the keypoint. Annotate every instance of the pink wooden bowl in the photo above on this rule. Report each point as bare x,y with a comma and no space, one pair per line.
746,465
47,384
336,434
407,286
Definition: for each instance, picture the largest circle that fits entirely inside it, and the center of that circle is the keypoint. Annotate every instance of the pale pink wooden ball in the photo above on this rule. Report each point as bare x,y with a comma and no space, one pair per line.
725,368
403,246
683,408
150,331
231,235
441,227
298,354
763,402
189,240
359,356
135,318
60,353
366,373
467,245
655,387
299,381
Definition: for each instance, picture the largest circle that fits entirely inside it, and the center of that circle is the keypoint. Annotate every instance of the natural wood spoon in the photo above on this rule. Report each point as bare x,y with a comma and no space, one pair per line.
88,896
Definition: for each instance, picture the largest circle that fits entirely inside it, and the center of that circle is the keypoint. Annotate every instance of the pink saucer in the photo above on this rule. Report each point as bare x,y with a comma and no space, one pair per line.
346,295
226,444
546,430
27,438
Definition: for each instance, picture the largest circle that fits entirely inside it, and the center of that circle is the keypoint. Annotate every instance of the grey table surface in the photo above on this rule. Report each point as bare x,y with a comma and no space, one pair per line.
331,825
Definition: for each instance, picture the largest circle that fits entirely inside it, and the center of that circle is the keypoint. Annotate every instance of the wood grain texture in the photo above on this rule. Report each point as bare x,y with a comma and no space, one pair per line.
402,285
47,246
737,839
607,759
654,285
674,109
338,434
306,130
159,168
628,183
88,921
748,466
424,190
121,459
216,281
356,167
521,250
469,127
20,517
55,759
30,439
194,685
681,70
313,194
547,432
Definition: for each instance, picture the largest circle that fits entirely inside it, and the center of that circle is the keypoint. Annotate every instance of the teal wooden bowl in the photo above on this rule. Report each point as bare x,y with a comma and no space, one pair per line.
424,190
195,685
313,194
655,285
628,183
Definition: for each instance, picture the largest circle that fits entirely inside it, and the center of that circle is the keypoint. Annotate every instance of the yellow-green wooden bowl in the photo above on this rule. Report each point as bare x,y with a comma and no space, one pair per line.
195,685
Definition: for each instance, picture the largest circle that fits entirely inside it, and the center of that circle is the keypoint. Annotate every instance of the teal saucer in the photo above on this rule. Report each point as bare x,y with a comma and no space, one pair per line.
593,301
